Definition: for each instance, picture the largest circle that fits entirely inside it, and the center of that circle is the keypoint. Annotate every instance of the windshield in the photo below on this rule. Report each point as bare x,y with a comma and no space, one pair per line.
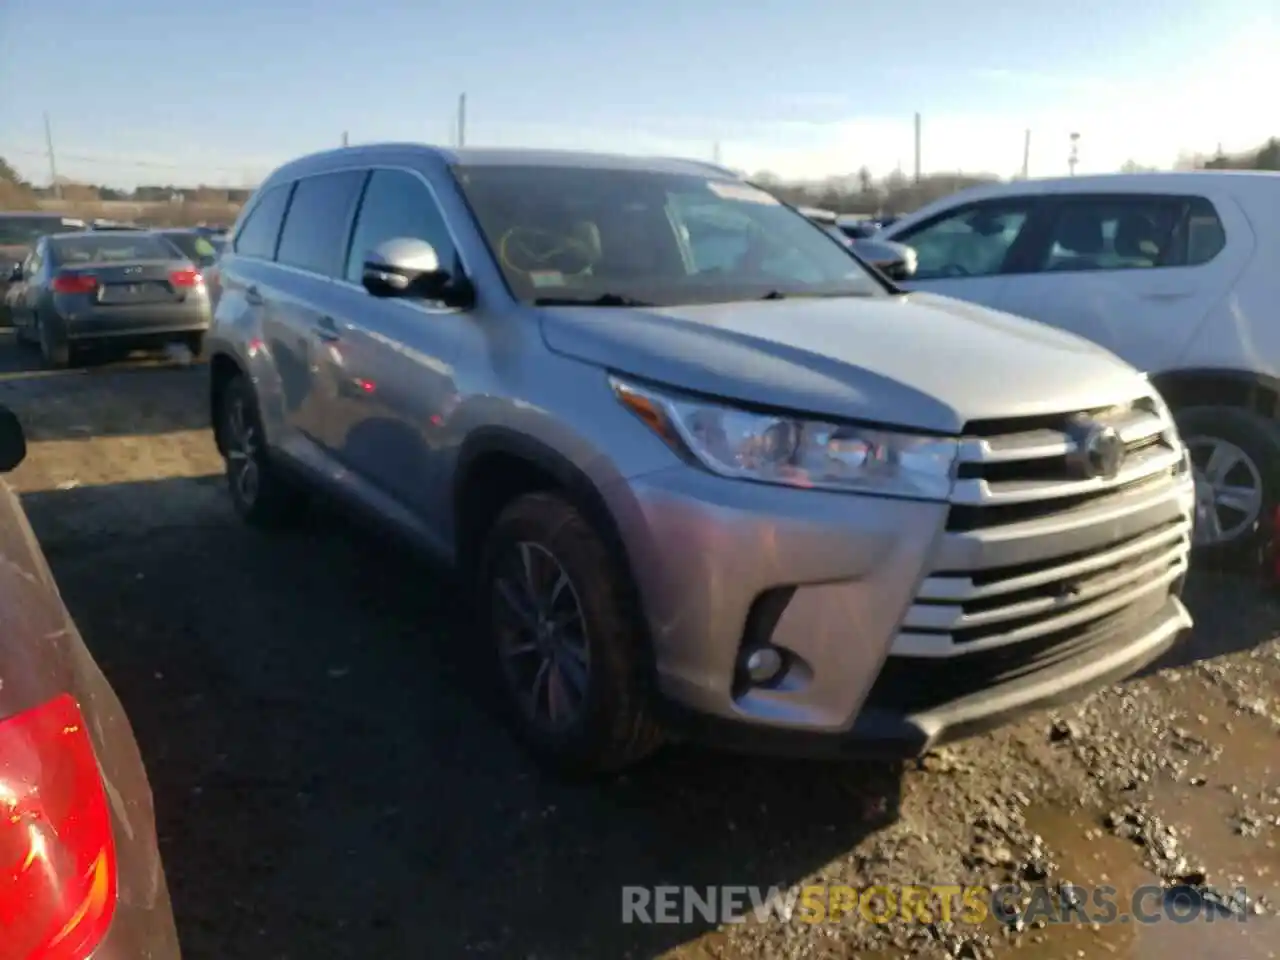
24,231
195,247
105,247
575,234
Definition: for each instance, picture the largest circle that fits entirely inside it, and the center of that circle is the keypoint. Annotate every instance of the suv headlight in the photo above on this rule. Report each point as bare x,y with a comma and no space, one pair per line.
774,448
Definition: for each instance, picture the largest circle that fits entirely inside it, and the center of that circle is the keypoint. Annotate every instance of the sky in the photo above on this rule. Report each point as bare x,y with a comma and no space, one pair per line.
149,91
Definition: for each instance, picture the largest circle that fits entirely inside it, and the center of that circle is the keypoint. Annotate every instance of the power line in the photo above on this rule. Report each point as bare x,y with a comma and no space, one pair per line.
124,161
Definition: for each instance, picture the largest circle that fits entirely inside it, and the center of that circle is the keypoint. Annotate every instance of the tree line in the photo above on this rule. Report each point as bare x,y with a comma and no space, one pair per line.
857,193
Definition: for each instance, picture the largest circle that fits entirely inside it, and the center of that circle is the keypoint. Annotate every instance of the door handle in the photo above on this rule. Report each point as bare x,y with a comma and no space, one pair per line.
327,330
253,297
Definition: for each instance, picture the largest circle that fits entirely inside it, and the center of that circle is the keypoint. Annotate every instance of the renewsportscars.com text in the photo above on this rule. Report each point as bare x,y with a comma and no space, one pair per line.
1066,904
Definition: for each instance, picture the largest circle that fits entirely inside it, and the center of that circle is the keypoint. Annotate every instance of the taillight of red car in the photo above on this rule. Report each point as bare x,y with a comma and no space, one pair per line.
75,283
57,857
185,278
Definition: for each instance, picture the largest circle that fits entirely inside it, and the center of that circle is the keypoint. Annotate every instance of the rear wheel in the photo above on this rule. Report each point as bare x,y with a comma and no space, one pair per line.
259,493
195,343
55,348
568,645
1235,457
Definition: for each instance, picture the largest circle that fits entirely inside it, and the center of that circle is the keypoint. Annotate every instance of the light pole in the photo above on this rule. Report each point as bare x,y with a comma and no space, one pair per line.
1074,157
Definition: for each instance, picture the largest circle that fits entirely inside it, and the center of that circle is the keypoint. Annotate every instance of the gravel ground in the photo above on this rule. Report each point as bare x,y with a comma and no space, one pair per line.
330,781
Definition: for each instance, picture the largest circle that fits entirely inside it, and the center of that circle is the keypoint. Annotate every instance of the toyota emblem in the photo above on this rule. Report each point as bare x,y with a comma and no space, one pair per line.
1099,450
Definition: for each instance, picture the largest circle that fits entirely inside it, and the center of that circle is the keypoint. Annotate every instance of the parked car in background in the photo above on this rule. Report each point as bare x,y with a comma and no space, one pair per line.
202,250
81,290
896,261
18,232
82,873
1175,272
706,473
857,228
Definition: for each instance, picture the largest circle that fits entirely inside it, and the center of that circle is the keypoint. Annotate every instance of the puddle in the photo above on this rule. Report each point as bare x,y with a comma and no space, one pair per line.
1227,808
1135,916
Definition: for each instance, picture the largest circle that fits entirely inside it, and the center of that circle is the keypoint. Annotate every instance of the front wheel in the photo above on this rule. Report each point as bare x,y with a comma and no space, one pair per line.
259,493
1235,458
568,646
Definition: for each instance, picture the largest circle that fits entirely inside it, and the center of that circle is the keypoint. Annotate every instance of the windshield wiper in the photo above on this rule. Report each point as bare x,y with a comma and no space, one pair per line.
820,295
604,300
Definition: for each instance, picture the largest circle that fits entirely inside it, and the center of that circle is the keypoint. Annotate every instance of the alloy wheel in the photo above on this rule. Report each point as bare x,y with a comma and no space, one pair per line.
1229,490
242,450
541,634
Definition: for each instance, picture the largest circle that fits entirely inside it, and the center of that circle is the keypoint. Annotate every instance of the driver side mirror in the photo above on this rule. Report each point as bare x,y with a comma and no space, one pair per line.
13,442
405,267
15,273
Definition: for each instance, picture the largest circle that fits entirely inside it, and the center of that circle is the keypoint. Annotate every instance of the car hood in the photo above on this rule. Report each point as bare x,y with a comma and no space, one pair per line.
919,360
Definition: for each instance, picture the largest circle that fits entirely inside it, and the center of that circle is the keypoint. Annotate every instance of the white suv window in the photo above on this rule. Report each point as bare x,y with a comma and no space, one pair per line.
973,242
1111,234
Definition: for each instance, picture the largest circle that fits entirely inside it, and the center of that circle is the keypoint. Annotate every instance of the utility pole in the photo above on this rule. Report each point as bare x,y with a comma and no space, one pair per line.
1026,155
53,164
1074,156
715,153
345,142
917,148
462,120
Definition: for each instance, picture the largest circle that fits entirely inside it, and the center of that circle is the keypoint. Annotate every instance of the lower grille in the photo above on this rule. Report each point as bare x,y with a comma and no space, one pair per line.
914,684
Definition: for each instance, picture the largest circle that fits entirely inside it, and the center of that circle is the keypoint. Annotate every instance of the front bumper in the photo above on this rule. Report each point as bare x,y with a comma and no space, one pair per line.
903,624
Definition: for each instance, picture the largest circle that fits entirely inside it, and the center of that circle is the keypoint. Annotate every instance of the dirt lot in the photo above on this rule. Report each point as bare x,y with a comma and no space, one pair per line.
330,782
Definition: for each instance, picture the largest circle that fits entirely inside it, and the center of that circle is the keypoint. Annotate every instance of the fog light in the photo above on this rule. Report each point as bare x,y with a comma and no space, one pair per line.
763,664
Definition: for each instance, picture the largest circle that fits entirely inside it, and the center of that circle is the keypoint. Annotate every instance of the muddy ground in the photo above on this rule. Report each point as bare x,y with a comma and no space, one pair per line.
330,781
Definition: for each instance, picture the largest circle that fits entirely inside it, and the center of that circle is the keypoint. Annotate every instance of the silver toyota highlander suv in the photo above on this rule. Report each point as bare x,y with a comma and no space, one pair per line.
707,475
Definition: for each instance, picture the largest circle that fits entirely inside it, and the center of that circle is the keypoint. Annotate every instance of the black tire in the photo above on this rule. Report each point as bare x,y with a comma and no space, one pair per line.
613,726
55,348
22,334
1258,439
195,343
270,500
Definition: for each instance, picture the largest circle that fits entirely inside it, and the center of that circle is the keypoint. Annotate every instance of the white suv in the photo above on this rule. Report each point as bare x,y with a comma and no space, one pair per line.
1175,272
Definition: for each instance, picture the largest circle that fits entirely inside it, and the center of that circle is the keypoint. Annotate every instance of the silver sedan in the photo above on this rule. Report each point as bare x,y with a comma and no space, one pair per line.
136,289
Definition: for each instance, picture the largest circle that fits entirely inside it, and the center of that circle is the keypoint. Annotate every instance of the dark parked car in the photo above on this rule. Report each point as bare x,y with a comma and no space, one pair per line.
86,289
80,870
18,233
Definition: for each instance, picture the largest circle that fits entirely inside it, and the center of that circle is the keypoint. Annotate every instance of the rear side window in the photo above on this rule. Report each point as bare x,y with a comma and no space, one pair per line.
1204,232
1111,233
258,233
1133,232
315,228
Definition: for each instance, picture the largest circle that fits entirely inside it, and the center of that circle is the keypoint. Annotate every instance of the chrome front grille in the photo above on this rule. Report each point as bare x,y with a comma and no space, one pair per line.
1036,548
1031,469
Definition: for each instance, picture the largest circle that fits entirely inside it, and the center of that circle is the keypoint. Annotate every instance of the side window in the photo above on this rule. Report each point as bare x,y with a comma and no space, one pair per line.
1113,233
1206,236
314,236
972,242
260,230
397,204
